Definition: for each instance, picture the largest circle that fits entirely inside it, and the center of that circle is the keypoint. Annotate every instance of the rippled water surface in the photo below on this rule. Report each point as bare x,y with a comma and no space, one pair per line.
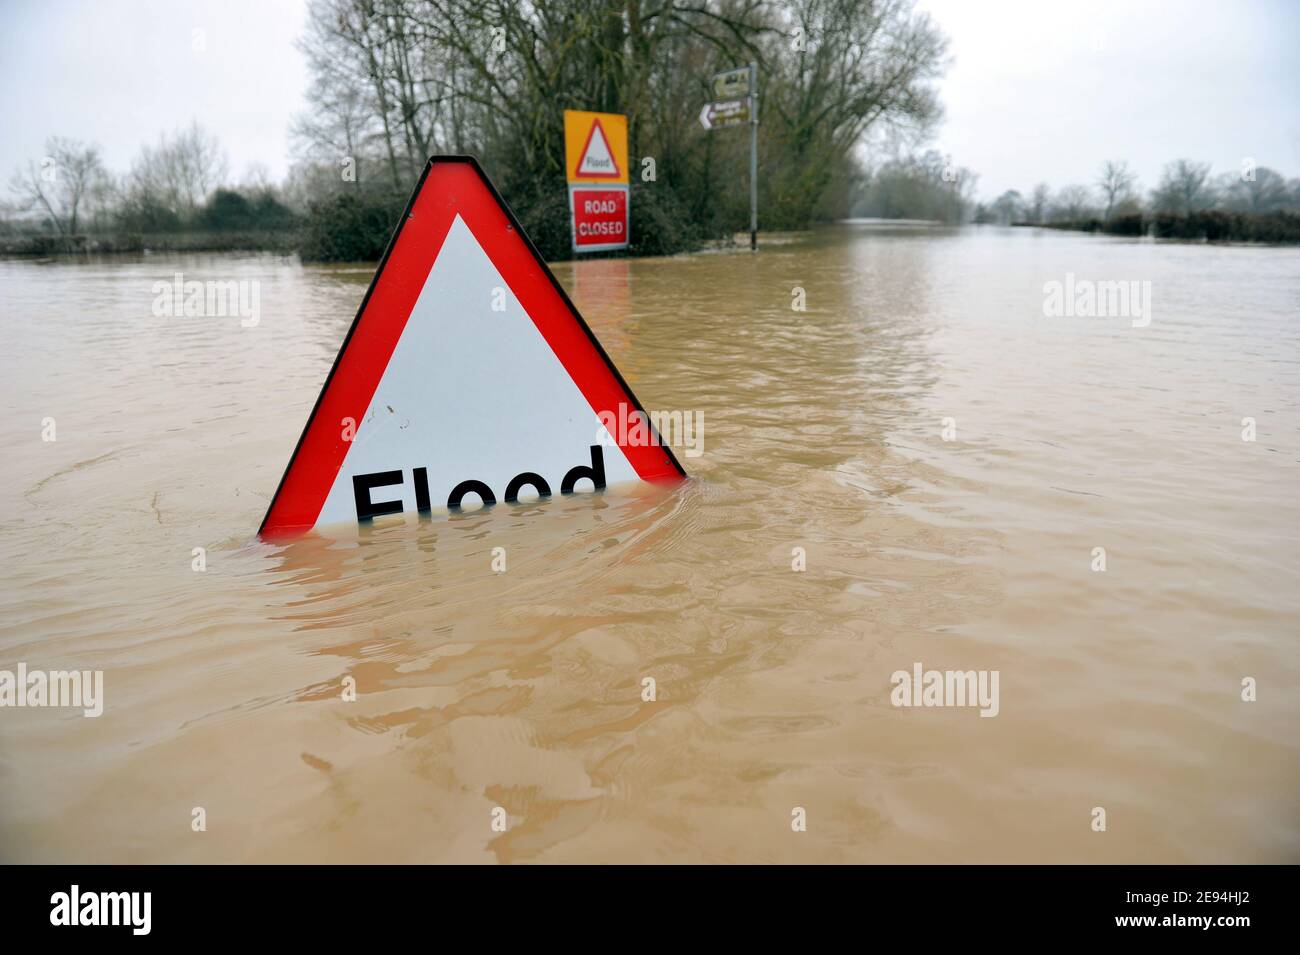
824,430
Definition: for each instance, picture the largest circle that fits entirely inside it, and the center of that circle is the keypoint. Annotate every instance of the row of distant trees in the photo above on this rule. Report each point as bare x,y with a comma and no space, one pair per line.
1186,189
926,186
181,184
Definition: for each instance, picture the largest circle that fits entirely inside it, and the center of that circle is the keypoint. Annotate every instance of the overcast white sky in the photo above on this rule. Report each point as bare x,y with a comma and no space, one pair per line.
119,72
1046,90
1038,89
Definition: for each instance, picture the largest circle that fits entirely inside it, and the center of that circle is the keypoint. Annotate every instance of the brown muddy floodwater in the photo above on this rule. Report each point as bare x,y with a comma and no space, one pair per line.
824,430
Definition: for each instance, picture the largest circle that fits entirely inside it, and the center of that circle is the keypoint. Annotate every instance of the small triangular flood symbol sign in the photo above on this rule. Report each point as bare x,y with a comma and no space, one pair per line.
597,158
468,378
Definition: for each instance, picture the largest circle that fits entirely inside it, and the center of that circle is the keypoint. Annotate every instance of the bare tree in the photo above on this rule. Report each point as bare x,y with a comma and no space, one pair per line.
1073,204
1008,207
1116,184
178,173
338,130
846,67
1184,188
1039,202
69,177
918,187
1261,190
381,70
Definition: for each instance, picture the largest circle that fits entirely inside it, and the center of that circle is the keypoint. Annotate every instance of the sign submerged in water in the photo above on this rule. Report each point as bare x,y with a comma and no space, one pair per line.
468,369
364,484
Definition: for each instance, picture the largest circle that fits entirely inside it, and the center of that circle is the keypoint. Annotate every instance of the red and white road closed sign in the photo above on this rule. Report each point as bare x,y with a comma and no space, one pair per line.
596,165
600,219
467,378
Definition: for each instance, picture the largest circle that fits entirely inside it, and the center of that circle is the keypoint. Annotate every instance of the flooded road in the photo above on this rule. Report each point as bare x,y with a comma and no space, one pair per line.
951,468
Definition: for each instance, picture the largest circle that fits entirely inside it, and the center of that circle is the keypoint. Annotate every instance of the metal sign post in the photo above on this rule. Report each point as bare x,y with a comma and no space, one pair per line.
737,105
753,157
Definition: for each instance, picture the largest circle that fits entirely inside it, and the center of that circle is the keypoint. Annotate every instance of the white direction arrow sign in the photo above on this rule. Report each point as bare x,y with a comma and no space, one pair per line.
732,112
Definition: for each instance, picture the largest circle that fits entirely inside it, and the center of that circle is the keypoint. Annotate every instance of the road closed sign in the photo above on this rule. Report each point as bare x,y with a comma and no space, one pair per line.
467,379
596,166
600,219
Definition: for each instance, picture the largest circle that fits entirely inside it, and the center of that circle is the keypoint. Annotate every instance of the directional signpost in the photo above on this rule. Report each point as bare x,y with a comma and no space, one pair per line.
596,165
734,112
734,83
736,104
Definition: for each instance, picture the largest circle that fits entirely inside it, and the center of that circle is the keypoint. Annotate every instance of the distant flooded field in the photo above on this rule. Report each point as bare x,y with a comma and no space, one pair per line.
920,469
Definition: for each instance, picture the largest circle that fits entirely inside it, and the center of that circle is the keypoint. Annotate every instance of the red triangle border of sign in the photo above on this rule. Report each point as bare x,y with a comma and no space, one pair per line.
616,174
386,307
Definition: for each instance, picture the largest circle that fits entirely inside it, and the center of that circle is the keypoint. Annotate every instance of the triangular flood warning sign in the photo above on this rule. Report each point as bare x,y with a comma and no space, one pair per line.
467,376
597,160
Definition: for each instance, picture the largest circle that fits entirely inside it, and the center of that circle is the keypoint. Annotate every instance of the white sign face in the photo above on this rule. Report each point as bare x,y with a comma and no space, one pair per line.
597,159
467,379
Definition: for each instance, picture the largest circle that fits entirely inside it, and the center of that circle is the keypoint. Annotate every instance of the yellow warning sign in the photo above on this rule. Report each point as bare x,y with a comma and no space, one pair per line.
595,147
